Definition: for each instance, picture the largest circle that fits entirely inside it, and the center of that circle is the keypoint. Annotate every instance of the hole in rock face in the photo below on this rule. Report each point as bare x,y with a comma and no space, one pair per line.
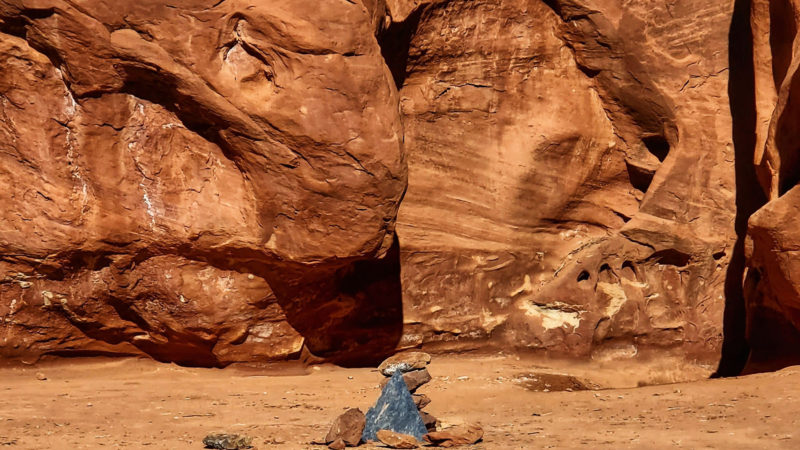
17,25
89,260
670,257
625,218
628,271
588,71
52,272
555,5
583,276
640,178
606,275
657,145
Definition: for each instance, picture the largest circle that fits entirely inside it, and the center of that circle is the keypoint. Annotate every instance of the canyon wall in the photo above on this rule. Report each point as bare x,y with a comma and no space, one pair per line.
772,283
202,181
571,175
211,182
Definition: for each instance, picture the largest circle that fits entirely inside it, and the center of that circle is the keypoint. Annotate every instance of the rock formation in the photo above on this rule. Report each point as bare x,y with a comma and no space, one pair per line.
772,284
209,182
201,181
571,178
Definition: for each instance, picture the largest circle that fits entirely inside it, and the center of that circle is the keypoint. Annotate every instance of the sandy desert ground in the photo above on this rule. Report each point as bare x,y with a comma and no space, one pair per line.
132,403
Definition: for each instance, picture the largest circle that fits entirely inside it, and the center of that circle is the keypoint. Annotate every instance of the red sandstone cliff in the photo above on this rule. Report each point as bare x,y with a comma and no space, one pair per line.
188,180
571,175
209,182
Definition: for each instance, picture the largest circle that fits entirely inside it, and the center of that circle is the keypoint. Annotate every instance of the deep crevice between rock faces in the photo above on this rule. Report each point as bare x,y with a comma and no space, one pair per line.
749,196
395,42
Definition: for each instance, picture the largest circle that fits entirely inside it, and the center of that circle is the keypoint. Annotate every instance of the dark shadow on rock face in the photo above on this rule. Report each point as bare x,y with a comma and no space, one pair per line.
352,316
749,196
773,340
395,42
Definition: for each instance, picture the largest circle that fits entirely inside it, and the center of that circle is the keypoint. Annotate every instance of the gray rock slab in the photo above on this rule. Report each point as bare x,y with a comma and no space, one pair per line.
394,411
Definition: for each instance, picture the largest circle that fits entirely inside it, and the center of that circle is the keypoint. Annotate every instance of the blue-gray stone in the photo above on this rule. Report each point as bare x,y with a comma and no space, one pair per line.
394,411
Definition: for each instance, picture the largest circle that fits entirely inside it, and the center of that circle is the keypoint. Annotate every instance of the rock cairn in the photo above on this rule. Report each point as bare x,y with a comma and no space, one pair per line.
414,368
397,419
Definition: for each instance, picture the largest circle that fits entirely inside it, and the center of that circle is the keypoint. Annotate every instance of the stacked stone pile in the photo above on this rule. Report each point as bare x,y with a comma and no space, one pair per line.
397,419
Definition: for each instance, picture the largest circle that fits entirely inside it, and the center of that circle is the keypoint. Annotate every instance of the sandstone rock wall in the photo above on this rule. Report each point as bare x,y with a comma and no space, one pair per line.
571,182
209,182
772,284
189,179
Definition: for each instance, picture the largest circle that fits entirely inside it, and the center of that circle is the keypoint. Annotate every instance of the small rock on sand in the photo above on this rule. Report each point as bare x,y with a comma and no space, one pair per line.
347,427
421,400
404,362
455,436
431,423
225,441
337,445
397,440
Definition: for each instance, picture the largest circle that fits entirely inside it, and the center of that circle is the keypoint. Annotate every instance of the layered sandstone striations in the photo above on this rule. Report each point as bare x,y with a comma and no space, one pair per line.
201,181
571,178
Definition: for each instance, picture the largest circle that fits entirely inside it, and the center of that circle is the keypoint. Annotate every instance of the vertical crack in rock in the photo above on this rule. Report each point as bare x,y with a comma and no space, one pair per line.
395,41
742,96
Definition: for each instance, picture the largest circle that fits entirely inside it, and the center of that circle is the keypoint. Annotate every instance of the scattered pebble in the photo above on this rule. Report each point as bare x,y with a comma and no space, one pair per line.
337,445
224,441
348,427
397,440
455,436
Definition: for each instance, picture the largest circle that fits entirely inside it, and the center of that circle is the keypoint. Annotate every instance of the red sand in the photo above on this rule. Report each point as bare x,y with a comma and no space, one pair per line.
131,403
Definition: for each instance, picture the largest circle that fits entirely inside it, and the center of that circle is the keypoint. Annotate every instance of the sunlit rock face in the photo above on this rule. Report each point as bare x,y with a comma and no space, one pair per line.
571,175
191,179
210,182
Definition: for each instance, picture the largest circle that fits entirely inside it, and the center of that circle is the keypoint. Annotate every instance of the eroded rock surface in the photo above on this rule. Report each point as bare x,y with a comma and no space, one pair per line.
209,182
571,183
201,181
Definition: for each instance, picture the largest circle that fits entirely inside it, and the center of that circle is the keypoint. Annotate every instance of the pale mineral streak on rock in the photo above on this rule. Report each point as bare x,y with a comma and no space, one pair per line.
552,315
